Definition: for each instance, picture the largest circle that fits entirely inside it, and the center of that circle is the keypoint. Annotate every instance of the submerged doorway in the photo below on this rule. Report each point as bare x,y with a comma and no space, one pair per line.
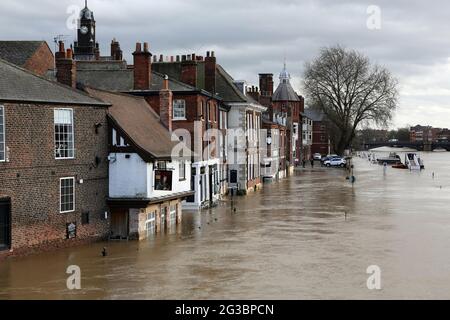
119,224
5,224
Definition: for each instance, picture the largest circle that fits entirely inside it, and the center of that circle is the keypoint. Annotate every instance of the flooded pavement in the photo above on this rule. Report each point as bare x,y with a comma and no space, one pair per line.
311,236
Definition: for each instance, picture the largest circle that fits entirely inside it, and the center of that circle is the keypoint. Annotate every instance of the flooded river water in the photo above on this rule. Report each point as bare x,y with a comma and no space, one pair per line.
311,236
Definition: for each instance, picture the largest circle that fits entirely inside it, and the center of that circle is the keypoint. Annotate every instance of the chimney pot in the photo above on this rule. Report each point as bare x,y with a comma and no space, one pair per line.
166,82
145,46
138,47
69,54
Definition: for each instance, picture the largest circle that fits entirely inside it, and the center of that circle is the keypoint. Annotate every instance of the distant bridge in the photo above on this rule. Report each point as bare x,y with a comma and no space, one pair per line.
419,146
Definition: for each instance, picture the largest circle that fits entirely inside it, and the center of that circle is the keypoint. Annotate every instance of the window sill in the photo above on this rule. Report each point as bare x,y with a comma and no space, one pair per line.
179,119
67,211
181,180
65,158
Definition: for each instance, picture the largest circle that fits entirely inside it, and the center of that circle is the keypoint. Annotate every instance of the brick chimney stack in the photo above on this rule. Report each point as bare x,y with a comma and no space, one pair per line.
210,72
142,67
166,104
266,84
116,52
66,70
189,71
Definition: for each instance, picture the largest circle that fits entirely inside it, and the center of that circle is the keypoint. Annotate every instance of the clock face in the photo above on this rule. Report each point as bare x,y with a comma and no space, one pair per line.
92,30
84,30
87,14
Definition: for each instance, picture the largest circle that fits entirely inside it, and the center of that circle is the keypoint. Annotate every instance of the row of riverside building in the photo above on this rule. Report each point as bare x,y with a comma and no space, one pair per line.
87,141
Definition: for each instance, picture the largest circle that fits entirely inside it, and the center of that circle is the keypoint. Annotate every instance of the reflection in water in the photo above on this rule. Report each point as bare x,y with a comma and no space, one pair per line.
309,236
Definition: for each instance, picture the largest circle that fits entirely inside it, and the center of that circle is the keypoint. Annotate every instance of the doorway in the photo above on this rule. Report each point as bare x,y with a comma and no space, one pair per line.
119,224
5,224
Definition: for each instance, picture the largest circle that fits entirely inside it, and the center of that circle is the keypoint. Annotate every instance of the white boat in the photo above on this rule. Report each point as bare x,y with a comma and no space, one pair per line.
413,161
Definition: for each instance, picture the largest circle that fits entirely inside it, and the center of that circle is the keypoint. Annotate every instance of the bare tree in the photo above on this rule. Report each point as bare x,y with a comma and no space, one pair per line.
350,91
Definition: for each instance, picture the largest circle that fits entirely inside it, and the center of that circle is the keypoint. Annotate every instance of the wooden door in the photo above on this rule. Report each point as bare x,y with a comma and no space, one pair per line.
119,224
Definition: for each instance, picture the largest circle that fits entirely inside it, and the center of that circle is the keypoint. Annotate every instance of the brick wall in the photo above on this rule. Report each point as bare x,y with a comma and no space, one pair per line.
31,177
41,61
193,112
319,145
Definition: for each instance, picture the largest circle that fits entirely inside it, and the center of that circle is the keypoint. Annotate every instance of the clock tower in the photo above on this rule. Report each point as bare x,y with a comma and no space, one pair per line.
85,47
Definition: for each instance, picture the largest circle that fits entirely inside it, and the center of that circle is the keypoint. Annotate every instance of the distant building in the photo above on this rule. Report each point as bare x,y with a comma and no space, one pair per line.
320,135
286,103
34,56
53,163
420,133
307,137
244,120
443,135
274,160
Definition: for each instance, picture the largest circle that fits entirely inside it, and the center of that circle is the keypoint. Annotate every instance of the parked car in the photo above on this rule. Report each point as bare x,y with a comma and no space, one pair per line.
335,162
328,157
317,156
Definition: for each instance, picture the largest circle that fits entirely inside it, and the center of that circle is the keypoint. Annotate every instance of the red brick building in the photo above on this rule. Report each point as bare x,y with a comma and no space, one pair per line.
35,56
53,163
420,133
284,109
320,135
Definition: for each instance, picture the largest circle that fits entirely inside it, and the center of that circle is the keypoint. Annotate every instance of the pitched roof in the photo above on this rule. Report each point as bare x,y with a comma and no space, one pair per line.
285,92
19,52
17,84
314,115
227,90
115,76
139,122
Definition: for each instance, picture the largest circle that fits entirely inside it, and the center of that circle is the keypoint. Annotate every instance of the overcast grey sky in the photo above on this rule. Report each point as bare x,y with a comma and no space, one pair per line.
253,36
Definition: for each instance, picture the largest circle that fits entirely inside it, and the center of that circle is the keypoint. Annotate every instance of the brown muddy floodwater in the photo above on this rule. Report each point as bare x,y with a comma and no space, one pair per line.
288,241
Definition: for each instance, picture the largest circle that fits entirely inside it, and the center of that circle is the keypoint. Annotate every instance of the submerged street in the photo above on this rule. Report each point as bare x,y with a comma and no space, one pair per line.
309,236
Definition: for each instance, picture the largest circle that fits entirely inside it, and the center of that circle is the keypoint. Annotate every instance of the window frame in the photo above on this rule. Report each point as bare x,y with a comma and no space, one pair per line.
73,134
3,132
151,220
60,194
173,214
182,164
173,110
